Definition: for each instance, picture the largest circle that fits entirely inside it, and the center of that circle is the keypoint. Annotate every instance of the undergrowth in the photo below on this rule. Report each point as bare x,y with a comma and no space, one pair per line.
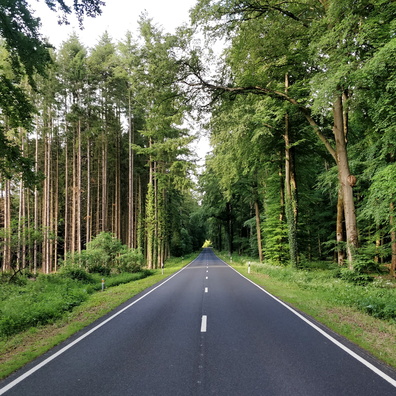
376,297
38,301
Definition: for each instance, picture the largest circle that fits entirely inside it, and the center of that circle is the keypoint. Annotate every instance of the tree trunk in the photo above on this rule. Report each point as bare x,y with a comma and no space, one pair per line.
88,220
78,190
393,240
291,204
345,180
230,230
340,229
66,238
36,210
131,209
73,203
104,184
258,231
7,226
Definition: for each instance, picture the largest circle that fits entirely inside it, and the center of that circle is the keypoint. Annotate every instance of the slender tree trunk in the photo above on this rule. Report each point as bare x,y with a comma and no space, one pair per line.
258,230
393,240
230,228
7,226
21,253
155,225
56,206
98,195
291,204
131,208
140,217
340,229
46,207
88,225
104,184
78,189
150,218
36,211
74,201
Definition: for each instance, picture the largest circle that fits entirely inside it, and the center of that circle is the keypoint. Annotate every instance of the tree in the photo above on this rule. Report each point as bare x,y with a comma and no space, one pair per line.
165,145
303,40
28,55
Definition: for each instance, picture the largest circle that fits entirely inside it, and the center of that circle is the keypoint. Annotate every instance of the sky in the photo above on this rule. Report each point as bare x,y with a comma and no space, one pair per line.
119,16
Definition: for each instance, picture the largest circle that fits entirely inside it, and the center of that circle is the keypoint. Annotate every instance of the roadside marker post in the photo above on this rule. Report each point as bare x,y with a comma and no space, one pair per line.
249,267
103,284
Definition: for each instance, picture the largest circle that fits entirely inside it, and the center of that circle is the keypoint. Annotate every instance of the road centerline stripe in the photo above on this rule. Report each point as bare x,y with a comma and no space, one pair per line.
204,323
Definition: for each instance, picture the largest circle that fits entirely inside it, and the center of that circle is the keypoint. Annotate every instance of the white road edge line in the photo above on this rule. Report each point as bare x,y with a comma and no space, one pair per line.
204,322
61,351
376,370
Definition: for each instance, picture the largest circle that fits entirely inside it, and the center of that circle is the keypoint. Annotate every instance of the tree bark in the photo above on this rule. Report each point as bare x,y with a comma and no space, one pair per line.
344,180
393,240
7,226
78,189
258,231
131,209
340,239
291,204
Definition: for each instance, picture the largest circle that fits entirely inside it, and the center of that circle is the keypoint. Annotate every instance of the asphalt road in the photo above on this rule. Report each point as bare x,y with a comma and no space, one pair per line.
204,331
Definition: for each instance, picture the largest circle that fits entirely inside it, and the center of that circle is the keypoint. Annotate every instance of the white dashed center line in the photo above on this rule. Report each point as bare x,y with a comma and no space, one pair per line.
206,289
204,322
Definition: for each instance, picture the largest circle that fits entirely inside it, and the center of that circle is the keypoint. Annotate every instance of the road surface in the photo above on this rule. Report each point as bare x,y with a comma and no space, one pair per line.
204,331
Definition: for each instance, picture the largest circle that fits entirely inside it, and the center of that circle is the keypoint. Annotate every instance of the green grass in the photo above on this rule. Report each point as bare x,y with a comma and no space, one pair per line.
47,298
18,349
363,314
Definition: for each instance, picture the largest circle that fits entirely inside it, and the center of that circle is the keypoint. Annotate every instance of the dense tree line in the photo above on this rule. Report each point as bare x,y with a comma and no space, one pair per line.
109,150
301,123
302,129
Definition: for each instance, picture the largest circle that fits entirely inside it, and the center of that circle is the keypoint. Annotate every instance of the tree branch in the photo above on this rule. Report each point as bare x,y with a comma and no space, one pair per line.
258,90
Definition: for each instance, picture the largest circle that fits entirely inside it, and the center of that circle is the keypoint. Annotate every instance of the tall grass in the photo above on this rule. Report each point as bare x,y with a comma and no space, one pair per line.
41,301
377,298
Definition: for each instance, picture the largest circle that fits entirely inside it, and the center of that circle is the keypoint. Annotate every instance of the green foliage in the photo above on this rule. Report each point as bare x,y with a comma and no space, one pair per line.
355,277
376,298
26,56
124,277
39,302
48,297
105,254
381,195
130,260
76,273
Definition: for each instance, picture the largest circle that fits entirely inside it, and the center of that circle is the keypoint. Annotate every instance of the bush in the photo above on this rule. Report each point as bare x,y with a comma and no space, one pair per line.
108,244
76,273
104,254
131,260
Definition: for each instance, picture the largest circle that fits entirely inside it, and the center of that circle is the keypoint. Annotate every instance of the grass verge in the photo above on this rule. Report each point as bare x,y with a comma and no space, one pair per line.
18,350
376,336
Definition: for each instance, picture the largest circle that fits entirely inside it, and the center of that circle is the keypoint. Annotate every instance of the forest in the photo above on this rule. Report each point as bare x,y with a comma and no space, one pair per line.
300,111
